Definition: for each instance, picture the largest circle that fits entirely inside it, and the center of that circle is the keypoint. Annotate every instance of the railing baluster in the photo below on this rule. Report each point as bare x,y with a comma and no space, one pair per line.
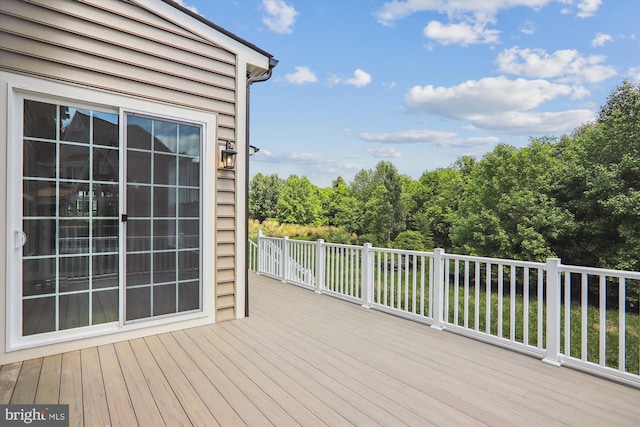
622,328
603,320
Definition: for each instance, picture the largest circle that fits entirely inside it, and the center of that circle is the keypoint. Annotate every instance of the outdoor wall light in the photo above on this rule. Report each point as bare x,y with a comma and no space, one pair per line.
228,156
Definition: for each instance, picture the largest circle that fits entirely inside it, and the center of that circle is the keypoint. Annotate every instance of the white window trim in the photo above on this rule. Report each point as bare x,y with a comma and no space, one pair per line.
18,87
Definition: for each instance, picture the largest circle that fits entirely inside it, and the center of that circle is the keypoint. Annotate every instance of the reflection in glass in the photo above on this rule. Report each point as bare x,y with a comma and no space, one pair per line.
74,199
164,169
75,125
74,273
189,140
105,235
41,237
188,265
138,201
166,136
164,267
38,198
39,120
105,129
105,164
38,315
188,296
164,234
74,310
189,202
138,269
105,271
188,234
105,200
74,236
189,171
138,235
138,303
38,276
105,306
39,159
139,167
139,132
164,299
164,201
74,162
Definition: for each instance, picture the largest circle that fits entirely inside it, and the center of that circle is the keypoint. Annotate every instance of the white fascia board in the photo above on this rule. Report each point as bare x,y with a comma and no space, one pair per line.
244,52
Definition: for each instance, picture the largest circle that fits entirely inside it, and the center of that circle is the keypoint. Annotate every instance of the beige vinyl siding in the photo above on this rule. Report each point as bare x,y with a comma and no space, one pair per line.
117,46
225,246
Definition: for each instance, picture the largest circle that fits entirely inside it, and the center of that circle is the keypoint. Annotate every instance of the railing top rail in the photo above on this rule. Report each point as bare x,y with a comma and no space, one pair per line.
341,245
401,251
600,271
489,260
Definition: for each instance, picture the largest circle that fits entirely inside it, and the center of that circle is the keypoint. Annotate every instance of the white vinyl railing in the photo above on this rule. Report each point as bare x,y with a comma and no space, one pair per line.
566,315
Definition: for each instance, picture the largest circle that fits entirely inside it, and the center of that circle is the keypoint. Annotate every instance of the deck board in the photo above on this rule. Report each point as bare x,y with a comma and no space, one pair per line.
308,359
71,387
145,407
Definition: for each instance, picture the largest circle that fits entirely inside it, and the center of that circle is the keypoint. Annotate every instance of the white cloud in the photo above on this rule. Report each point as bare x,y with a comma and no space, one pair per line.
566,65
588,7
534,123
461,33
491,95
501,105
360,78
528,28
409,136
484,10
280,17
634,74
383,152
301,76
600,39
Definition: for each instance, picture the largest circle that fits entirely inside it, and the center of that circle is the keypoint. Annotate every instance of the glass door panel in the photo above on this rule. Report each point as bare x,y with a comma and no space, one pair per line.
163,267
70,217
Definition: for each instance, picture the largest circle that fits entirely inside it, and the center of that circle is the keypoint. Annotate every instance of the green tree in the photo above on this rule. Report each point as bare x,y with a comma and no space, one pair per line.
264,192
342,207
379,194
300,202
599,184
506,210
444,189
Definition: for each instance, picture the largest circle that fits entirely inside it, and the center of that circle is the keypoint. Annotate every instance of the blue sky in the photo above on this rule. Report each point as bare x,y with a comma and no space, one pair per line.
421,83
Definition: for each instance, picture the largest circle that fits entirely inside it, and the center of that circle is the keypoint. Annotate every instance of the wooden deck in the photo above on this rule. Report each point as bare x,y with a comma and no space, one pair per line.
308,359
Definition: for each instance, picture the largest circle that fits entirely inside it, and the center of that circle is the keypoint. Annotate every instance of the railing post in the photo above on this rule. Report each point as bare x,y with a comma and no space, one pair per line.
552,355
320,260
260,253
366,276
438,289
284,260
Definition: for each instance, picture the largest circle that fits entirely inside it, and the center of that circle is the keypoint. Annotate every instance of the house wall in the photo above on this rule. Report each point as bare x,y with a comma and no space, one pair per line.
125,47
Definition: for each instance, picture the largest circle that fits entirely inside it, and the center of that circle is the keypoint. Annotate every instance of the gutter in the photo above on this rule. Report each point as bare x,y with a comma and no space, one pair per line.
251,80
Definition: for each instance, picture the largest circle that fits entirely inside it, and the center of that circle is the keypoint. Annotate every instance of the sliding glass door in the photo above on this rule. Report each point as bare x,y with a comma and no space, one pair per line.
104,229
163,217
70,262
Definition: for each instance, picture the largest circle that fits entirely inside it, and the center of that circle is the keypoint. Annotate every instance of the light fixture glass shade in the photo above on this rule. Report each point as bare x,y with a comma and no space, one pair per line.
228,156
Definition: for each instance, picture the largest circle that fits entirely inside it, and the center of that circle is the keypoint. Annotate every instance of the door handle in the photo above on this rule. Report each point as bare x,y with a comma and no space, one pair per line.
21,238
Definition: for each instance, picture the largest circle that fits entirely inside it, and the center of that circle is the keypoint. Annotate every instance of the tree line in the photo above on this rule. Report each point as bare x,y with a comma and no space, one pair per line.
576,197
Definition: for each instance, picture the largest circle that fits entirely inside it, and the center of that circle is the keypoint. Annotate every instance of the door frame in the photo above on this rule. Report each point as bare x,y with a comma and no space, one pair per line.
20,87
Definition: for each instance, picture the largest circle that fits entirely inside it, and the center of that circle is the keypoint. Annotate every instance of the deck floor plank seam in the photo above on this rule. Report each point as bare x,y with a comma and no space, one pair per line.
307,390
145,407
251,386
